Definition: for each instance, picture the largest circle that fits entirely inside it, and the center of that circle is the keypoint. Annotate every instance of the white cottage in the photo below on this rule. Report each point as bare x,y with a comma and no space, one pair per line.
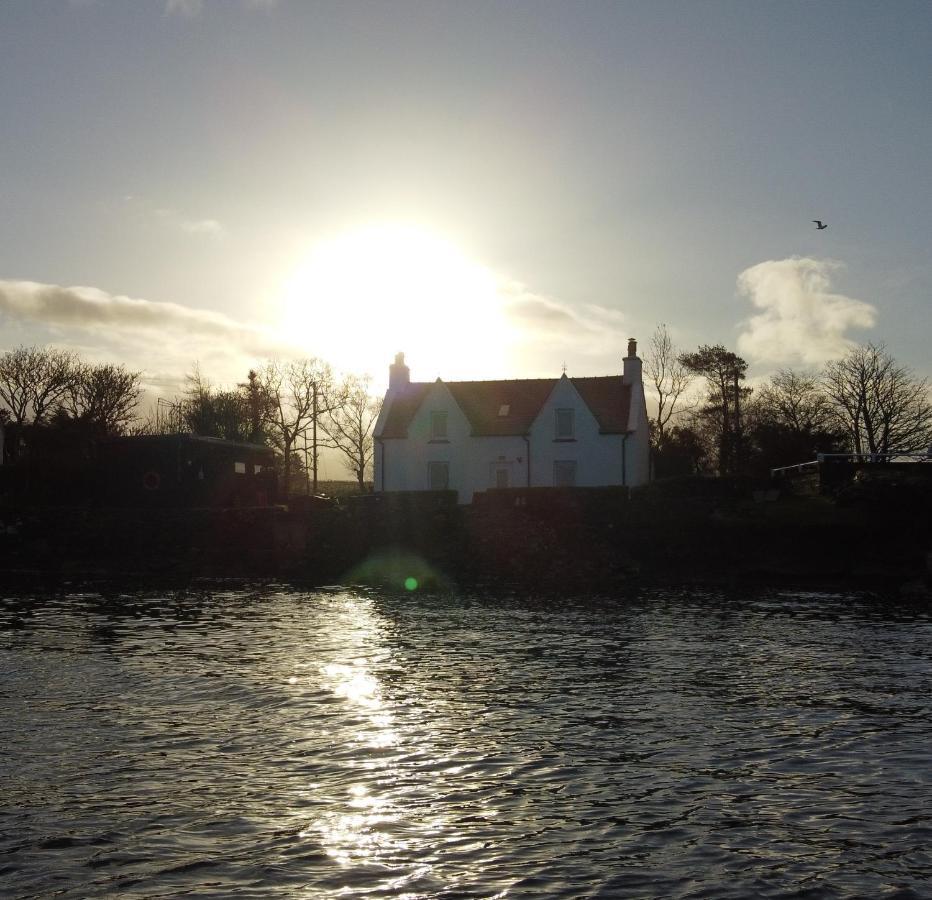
469,436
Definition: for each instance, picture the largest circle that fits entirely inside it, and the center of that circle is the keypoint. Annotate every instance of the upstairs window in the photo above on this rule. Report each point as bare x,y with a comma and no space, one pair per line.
438,425
504,410
438,476
565,425
564,473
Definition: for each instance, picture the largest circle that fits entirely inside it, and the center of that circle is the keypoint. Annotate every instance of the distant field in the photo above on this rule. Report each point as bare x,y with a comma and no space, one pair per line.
341,488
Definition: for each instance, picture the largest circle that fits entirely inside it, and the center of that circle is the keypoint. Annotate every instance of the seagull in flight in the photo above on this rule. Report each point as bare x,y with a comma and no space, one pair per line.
818,224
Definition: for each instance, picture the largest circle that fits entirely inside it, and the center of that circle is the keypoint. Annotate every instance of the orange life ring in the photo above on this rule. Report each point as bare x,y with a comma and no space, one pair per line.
151,481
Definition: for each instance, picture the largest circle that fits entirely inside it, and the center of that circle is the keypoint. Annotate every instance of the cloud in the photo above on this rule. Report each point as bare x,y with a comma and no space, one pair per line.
209,227
139,323
802,321
187,8
192,8
543,317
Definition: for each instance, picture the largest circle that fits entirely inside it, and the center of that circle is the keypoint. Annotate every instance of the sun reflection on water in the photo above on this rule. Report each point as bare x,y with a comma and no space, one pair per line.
366,823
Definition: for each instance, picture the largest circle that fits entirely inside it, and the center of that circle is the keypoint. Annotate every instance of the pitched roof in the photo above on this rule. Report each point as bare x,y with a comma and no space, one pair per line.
510,407
609,398
403,405
519,400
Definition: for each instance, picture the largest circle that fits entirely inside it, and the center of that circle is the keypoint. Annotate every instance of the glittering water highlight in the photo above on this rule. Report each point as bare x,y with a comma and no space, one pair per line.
271,742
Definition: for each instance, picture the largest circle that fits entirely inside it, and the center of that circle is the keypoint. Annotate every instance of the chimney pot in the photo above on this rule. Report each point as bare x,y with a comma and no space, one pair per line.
631,364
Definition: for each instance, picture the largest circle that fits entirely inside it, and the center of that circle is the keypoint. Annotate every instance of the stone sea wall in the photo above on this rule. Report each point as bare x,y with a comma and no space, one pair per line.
544,540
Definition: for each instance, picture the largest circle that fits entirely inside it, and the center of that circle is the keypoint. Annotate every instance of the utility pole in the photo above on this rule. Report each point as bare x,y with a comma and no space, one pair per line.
315,437
307,473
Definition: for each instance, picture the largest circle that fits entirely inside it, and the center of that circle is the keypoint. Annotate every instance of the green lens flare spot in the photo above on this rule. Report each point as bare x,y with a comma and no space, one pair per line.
410,584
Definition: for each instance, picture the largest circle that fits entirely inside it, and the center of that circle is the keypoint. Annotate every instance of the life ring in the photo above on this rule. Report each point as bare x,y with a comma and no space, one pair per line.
151,481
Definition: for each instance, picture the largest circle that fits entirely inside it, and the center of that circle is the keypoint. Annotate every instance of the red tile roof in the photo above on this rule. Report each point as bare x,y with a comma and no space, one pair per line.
607,397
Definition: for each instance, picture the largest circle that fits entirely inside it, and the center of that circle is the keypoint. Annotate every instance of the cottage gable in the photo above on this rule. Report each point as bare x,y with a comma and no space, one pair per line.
509,407
475,435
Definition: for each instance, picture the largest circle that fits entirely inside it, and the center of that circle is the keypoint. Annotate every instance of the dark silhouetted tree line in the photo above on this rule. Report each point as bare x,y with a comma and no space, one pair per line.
865,402
296,407
52,402
52,398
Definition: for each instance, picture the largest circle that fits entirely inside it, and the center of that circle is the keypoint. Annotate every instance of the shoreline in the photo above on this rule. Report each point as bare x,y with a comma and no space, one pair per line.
583,544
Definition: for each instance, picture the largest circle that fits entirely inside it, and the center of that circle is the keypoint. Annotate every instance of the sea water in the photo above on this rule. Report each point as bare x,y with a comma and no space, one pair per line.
274,742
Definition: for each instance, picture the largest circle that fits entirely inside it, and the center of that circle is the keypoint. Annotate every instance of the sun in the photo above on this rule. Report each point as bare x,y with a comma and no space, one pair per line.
360,297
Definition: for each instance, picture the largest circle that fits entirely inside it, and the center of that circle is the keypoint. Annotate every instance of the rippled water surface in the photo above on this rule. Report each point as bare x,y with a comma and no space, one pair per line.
270,742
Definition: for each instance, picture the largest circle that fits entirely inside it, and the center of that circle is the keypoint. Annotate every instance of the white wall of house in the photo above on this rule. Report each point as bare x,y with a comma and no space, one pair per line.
495,461
478,463
475,463
597,456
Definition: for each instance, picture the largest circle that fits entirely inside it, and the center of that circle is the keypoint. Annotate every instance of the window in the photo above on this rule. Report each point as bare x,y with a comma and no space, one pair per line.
564,424
501,477
239,468
504,409
564,473
438,426
438,476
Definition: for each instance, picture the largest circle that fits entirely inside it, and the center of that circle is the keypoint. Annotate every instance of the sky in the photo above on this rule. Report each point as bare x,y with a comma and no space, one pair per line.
495,189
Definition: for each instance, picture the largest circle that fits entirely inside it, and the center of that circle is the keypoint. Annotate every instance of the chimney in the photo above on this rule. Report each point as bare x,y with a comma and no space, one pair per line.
631,371
399,375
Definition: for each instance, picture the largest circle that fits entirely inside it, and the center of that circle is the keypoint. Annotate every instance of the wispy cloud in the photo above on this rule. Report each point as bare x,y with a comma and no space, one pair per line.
802,320
543,317
209,227
187,8
159,335
191,8
205,227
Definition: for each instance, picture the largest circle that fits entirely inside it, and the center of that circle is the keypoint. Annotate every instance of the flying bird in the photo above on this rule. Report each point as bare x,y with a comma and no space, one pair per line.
818,224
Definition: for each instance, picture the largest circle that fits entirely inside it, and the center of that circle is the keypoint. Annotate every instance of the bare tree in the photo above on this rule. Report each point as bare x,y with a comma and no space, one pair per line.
795,400
882,406
349,425
105,396
33,380
298,393
669,376
791,421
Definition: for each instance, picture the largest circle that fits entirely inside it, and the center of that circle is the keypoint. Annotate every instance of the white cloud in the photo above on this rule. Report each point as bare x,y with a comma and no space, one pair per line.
545,318
802,321
188,8
209,227
548,333
192,8
158,337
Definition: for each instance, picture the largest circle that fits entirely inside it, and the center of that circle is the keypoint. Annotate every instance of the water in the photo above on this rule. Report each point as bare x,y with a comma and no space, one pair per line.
277,743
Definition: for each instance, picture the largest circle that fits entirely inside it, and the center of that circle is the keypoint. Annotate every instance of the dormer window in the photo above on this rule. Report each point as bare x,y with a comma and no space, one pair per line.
504,409
565,425
438,425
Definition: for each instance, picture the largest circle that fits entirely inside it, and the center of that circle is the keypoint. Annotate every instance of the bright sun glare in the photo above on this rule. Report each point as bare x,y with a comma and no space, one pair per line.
367,294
